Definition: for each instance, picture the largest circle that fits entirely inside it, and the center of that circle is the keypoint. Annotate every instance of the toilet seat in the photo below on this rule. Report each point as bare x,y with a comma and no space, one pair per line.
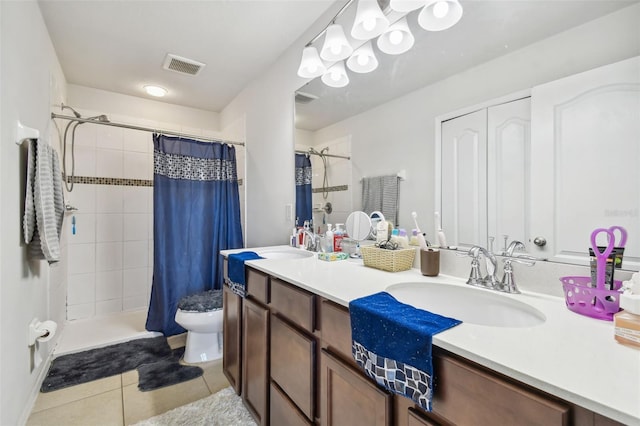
206,301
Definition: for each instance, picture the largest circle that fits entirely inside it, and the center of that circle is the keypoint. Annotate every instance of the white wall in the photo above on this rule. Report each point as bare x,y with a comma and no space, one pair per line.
31,80
110,261
400,134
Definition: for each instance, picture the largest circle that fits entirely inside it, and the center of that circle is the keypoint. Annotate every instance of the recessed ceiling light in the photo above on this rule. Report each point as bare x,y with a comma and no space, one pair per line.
155,90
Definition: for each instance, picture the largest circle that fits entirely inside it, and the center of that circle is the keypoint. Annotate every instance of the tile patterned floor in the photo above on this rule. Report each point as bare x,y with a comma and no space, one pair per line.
117,401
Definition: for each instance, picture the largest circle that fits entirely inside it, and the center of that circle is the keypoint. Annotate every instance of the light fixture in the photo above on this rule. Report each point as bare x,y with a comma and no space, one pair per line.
406,5
336,76
336,47
156,91
370,22
397,39
438,15
363,59
311,66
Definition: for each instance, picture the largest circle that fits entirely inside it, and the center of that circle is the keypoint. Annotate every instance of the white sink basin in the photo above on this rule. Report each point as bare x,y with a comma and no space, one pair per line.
468,304
284,253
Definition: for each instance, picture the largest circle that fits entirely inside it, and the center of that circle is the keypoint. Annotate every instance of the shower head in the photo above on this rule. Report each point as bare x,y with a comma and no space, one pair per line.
76,113
102,118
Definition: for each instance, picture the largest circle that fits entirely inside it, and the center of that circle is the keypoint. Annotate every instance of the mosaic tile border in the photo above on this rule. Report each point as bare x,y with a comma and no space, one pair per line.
331,189
396,376
92,180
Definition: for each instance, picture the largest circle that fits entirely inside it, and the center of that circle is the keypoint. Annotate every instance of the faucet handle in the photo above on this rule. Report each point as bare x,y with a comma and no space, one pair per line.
508,283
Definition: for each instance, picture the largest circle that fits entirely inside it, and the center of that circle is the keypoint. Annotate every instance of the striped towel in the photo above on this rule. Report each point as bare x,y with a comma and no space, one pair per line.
44,202
381,194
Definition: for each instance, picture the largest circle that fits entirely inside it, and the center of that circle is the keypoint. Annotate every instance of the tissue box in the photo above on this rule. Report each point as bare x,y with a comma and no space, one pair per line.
331,257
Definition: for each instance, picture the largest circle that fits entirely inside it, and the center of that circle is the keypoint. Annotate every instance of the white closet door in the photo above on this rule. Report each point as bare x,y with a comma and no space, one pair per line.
508,174
586,160
464,182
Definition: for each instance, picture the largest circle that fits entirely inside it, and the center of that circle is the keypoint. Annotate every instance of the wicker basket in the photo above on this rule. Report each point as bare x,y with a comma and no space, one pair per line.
388,260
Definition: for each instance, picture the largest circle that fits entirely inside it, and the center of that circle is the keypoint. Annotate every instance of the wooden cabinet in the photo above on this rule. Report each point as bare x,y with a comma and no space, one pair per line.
469,395
297,370
349,398
255,360
293,364
231,333
283,411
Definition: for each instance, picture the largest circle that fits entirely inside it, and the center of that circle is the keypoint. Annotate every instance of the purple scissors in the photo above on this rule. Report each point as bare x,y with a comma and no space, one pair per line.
623,235
601,256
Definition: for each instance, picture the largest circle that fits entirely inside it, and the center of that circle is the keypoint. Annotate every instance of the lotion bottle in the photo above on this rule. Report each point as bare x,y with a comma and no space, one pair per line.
328,237
338,235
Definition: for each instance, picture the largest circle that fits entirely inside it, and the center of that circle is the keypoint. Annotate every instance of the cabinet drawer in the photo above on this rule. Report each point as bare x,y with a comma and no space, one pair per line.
468,395
283,412
293,303
258,285
292,364
336,328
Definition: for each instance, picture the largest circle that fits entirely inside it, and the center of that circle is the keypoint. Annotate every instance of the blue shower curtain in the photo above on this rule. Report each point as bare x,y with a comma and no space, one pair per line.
196,213
303,189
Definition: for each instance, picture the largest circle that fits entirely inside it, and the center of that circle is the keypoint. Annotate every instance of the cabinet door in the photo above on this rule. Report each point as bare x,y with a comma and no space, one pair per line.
349,398
255,360
464,179
508,171
232,349
283,411
293,364
585,153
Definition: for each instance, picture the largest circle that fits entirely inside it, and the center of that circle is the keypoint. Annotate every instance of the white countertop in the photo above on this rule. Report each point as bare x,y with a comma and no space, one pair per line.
571,356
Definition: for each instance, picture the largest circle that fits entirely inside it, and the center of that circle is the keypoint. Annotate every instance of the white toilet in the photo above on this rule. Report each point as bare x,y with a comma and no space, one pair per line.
201,315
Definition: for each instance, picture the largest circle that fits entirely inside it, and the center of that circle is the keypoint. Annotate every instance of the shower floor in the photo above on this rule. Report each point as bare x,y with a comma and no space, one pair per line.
80,335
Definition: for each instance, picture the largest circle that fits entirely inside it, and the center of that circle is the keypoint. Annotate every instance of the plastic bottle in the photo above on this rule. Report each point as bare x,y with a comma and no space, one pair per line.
338,235
328,239
403,241
414,238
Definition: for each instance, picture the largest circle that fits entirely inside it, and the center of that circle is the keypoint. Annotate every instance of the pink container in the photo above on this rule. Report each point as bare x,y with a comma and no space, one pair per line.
590,301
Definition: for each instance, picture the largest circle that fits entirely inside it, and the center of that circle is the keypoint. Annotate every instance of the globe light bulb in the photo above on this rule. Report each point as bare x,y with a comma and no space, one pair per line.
335,75
440,9
369,24
313,68
335,49
396,37
363,60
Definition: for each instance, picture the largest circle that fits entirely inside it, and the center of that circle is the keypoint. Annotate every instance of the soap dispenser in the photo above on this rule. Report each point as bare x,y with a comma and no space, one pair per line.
328,236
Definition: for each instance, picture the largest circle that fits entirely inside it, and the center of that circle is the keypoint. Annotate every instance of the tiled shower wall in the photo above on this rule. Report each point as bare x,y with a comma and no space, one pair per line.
110,256
339,174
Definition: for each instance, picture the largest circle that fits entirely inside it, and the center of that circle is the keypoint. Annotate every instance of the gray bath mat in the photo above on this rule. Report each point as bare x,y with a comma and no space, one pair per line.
94,364
166,372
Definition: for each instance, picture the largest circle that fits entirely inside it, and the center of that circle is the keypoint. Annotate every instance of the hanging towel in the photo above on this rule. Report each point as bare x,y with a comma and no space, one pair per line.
381,193
44,202
391,341
236,276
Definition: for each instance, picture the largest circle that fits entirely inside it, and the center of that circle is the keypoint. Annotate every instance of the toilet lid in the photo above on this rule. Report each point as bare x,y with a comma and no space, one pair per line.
210,300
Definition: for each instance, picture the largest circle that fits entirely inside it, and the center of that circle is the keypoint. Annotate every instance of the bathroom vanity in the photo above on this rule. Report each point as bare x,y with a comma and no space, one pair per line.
287,352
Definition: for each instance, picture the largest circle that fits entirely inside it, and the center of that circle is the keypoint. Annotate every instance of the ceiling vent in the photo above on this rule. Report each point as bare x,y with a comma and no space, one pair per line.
305,98
182,65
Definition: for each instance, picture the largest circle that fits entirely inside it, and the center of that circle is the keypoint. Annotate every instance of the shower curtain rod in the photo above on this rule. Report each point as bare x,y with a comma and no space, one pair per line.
326,155
145,129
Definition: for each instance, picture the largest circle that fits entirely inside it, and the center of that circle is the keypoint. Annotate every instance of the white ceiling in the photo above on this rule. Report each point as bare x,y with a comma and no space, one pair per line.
488,29
120,45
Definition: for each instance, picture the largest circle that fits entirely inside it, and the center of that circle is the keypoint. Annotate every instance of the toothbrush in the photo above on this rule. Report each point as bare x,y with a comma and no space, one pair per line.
421,240
442,240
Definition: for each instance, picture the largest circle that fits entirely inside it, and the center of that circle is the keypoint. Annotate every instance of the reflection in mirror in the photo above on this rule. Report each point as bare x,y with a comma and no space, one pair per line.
497,48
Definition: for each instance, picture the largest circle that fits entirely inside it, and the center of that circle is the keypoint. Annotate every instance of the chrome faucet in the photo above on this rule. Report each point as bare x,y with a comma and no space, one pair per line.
508,283
490,280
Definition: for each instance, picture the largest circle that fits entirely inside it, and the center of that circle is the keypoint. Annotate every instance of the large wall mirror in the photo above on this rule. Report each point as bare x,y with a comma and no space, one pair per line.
391,120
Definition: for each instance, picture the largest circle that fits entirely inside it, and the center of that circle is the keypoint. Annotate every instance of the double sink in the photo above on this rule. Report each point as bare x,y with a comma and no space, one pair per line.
469,304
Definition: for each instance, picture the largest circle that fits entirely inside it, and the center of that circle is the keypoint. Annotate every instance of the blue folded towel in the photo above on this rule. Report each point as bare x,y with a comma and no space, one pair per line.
391,341
237,282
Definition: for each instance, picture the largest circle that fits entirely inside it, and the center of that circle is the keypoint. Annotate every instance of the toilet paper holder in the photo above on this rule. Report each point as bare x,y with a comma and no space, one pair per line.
41,331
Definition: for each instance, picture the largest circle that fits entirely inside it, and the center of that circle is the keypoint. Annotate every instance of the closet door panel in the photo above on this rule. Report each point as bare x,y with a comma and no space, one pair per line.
464,181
